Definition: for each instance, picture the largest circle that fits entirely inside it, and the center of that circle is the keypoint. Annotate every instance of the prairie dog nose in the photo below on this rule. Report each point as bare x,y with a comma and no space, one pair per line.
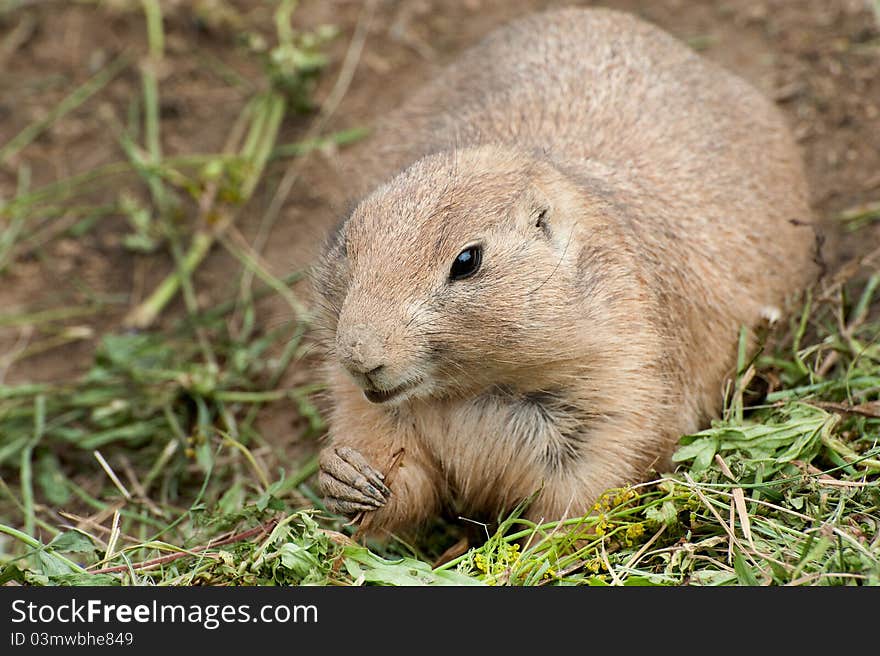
360,350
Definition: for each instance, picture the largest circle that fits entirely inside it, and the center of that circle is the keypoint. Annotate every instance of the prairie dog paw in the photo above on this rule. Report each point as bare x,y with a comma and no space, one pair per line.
349,483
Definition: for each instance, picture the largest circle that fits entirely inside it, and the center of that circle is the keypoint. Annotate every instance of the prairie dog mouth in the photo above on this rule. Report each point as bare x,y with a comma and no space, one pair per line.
383,396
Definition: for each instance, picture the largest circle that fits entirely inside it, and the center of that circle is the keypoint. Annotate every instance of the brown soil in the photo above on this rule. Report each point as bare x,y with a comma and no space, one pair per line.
820,59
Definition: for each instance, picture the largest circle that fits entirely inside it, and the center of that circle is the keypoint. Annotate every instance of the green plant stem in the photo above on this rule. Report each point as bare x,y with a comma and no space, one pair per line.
71,102
251,263
156,43
147,312
257,150
25,473
36,544
62,189
341,138
11,234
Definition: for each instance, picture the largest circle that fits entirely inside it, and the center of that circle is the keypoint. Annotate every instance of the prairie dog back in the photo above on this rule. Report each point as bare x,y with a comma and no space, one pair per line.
669,185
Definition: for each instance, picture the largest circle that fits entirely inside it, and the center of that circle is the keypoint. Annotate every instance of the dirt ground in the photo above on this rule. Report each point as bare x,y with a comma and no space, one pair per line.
820,60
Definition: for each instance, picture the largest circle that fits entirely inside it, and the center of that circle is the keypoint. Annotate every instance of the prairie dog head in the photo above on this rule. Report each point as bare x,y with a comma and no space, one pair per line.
466,270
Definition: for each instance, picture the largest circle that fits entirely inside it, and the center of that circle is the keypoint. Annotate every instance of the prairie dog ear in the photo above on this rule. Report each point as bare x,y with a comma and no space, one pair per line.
551,211
534,211
548,209
541,217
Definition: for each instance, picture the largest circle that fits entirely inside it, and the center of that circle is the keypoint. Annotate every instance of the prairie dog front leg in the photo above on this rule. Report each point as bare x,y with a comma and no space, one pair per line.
363,441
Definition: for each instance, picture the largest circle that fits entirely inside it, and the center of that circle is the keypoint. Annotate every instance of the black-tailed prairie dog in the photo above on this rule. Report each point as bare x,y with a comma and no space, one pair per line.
542,286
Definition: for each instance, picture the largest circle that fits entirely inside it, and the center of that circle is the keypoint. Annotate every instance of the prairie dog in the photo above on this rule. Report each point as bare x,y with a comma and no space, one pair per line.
542,286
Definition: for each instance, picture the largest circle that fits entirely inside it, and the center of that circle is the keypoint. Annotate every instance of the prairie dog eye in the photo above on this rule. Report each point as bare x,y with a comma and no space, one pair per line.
466,263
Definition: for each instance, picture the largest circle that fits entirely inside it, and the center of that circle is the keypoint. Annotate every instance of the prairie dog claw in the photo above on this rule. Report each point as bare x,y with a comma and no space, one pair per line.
349,483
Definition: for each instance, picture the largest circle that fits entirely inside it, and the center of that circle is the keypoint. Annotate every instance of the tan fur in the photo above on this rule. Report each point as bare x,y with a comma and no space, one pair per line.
675,208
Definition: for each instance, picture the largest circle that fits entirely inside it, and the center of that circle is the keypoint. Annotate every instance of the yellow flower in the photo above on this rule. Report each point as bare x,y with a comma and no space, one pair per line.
623,496
480,562
634,532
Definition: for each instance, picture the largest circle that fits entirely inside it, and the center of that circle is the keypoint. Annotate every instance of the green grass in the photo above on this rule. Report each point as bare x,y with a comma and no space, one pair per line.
151,467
